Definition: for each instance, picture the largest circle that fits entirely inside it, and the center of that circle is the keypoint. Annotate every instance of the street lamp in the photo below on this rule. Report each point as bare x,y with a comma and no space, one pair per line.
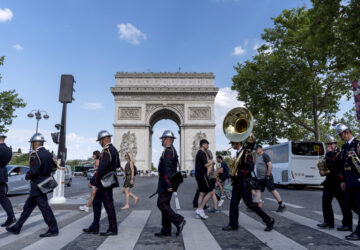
38,115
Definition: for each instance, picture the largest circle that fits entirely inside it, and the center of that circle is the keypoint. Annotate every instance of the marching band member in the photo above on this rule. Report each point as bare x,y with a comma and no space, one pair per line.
350,152
330,167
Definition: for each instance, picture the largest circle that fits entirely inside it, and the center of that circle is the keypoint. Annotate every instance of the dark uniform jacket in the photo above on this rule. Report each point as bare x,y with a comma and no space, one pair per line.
41,167
244,168
167,168
109,161
333,164
5,157
349,172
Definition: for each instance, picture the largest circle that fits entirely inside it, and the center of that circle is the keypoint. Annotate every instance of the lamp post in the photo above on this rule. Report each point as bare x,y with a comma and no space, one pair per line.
39,114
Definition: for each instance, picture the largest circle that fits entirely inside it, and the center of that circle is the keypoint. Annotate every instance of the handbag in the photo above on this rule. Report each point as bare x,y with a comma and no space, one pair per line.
110,180
47,185
253,181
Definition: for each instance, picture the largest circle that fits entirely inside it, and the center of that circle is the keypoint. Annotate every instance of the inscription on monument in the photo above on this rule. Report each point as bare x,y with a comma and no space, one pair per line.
129,113
199,113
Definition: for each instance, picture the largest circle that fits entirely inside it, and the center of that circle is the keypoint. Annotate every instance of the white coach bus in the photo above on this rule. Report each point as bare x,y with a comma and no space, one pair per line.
295,163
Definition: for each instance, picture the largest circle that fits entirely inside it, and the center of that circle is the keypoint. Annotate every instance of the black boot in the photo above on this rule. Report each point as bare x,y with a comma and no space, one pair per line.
8,222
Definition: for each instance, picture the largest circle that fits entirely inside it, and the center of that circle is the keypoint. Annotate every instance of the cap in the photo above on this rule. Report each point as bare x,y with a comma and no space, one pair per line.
168,133
203,141
339,128
37,137
103,134
2,135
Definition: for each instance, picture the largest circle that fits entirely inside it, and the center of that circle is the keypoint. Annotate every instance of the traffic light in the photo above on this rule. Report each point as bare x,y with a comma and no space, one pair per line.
66,89
55,137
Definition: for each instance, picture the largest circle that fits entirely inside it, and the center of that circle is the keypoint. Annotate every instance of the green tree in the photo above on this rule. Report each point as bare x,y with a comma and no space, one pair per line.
292,85
152,167
22,159
19,150
9,102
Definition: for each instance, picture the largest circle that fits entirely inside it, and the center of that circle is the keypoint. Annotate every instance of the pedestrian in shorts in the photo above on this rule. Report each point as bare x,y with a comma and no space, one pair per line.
265,178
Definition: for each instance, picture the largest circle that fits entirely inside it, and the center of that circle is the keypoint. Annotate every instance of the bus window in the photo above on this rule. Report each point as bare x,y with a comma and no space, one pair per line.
307,148
278,154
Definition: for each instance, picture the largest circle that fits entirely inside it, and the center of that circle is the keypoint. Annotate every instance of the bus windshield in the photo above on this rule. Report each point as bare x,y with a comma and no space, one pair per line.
307,148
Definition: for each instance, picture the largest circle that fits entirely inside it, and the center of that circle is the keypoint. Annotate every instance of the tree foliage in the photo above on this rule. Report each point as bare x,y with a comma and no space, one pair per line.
9,102
294,83
21,159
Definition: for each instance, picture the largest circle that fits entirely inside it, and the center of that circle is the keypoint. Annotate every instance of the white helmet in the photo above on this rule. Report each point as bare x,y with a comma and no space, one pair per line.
339,128
168,133
103,134
330,139
37,137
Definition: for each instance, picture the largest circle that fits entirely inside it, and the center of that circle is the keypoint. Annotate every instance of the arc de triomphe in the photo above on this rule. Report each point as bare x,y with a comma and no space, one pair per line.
142,99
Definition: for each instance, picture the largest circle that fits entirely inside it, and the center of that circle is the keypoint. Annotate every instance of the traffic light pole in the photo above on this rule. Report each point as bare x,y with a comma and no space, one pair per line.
58,193
65,97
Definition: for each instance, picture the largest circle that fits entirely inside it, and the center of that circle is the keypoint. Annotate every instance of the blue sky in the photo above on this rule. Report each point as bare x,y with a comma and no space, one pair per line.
95,39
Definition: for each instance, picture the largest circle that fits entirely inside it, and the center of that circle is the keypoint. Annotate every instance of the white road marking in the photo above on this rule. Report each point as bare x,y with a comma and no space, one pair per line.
66,235
23,233
336,216
312,224
286,204
129,231
273,239
192,230
177,202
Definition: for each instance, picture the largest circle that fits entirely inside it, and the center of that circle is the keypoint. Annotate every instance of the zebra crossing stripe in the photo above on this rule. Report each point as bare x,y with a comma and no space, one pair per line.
287,204
129,231
336,216
273,239
192,230
312,223
66,235
11,238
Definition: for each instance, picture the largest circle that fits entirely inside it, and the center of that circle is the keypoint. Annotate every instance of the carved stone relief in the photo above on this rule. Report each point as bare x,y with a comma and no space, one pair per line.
196,143
128,145
199,113
177,107
129,113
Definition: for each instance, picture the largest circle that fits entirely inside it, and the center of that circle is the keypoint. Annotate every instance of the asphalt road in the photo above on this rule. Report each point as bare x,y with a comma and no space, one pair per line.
294,229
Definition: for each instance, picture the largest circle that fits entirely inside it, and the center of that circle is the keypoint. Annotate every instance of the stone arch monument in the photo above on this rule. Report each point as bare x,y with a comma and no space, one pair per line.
142,99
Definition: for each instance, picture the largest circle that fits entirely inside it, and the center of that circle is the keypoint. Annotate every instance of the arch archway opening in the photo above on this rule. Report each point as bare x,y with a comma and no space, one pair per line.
164,119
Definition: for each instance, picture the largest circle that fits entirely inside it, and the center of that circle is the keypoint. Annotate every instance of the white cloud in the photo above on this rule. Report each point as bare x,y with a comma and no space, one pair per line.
256,46
226,99
92,105
78,146
130,33
238,51
18,47
5,15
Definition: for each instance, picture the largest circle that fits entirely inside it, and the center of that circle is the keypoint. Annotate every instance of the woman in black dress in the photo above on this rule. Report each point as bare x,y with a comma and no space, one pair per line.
129,181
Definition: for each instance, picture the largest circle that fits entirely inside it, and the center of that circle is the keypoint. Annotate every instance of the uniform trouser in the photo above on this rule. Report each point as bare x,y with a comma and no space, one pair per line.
168,215
339,194
196,198
42,202
239,192
104,196
353,198
5,202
